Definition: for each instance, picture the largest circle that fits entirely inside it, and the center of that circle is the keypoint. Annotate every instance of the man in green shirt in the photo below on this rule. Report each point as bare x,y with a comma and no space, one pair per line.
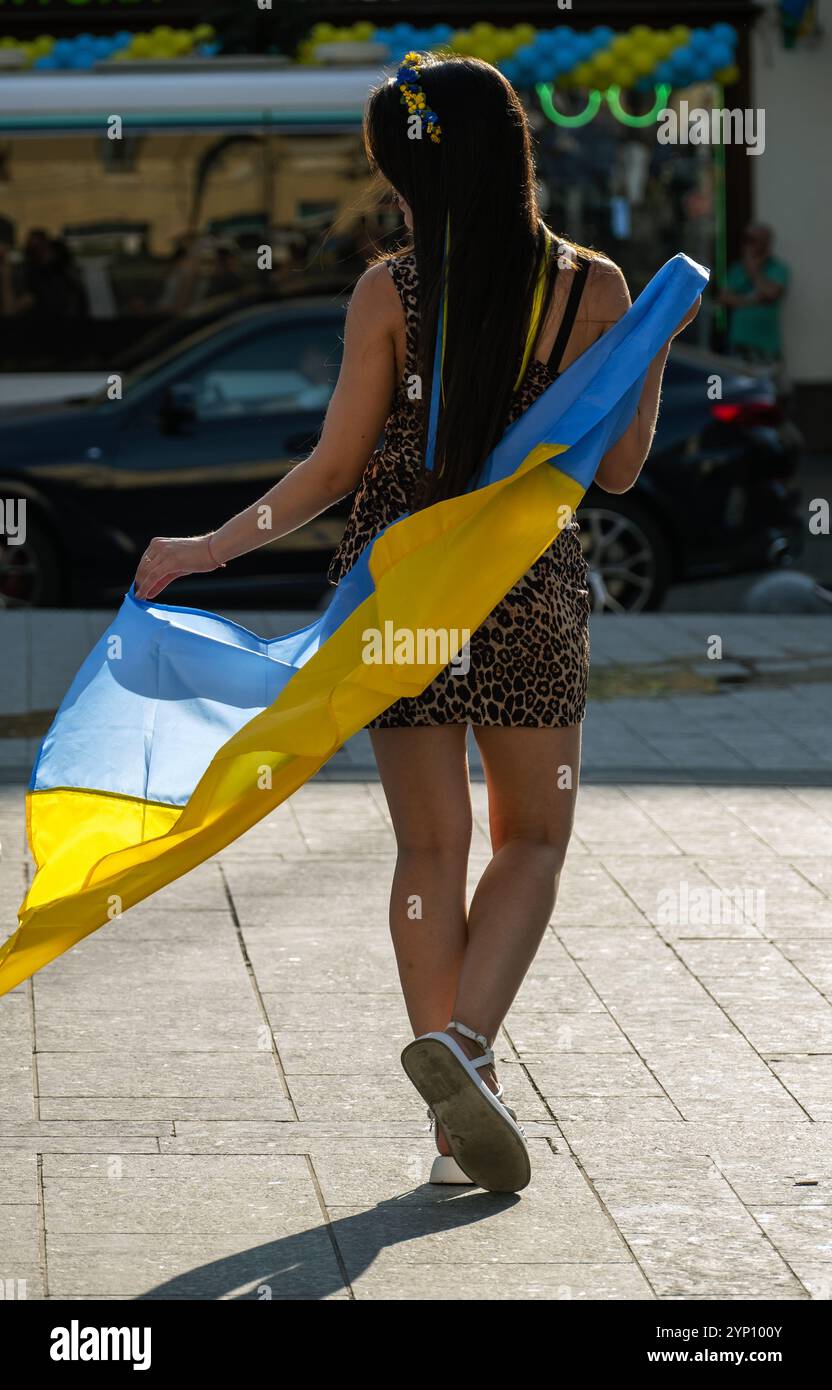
754,287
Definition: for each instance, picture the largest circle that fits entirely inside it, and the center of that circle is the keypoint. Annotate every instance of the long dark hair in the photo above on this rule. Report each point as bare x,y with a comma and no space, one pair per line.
479,180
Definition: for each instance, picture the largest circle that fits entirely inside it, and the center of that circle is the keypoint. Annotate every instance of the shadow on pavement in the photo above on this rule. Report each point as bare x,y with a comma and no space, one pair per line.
308,1265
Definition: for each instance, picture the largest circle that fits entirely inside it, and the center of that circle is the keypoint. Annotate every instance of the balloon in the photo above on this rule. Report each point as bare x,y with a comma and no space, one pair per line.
621,45
725,33
721,56
583,75
643,62
727,75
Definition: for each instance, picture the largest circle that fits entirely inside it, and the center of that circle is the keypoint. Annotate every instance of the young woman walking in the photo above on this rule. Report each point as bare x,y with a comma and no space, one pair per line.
516,308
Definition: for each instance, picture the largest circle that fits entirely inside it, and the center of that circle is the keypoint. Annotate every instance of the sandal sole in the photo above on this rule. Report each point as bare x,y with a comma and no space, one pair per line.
482,1140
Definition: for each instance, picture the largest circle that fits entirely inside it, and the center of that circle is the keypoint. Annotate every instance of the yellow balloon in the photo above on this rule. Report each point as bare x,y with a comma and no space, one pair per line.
680,33
643,62
583,75
524,33
727,75
623,75
603,64
365,30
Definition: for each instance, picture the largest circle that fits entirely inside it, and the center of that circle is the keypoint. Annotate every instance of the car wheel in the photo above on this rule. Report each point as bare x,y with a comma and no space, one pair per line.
627,555
30,572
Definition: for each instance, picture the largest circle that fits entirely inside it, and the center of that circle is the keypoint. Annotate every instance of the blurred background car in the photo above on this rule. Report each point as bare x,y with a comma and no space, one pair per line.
200,429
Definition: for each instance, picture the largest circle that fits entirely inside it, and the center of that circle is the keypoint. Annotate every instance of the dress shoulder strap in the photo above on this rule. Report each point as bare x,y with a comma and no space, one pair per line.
569,315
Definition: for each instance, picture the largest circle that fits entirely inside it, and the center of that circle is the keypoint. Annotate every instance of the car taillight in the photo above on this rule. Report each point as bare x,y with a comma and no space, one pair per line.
747,412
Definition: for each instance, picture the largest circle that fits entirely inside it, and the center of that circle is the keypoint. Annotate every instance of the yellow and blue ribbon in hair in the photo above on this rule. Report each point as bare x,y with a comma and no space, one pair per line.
181,730
437,394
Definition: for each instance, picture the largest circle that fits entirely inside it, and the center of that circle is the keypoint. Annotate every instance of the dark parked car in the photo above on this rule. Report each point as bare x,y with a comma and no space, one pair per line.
201,430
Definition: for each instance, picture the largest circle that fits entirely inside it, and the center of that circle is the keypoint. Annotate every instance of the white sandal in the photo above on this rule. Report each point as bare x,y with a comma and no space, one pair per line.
445,1169
485,1140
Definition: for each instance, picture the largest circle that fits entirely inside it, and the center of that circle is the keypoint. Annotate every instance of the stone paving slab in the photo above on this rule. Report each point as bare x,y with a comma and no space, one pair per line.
204,1099
300,1265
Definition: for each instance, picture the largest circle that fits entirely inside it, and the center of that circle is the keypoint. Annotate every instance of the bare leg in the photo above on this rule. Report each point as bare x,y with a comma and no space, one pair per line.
424,773
532,778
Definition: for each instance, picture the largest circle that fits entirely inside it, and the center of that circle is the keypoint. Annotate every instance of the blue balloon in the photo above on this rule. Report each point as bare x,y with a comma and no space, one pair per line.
721,56
725,33
703,67
680,65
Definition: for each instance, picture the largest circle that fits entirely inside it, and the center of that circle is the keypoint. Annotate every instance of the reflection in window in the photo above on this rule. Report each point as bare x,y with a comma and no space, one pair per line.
290,369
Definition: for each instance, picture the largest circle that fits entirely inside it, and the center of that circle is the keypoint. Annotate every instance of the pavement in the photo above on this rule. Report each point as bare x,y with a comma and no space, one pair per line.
204,1100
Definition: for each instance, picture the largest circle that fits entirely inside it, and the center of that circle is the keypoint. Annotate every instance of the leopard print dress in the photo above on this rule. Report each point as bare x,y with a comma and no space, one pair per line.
529,660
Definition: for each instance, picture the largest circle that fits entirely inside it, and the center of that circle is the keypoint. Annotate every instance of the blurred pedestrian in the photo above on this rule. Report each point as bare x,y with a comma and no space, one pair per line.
225,276
754,290
48,286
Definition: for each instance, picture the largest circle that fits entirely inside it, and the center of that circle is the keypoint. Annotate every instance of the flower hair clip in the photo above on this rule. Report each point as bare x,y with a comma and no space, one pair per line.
413,97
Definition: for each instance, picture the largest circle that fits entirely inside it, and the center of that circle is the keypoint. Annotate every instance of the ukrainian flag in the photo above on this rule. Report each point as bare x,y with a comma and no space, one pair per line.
182,729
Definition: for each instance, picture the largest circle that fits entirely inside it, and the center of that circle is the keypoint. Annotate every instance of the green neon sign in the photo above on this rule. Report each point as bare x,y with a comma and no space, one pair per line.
547,101
662,97
545,93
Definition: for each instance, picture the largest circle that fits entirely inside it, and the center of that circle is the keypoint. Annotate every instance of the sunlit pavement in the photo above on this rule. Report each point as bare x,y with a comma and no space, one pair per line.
205,1100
